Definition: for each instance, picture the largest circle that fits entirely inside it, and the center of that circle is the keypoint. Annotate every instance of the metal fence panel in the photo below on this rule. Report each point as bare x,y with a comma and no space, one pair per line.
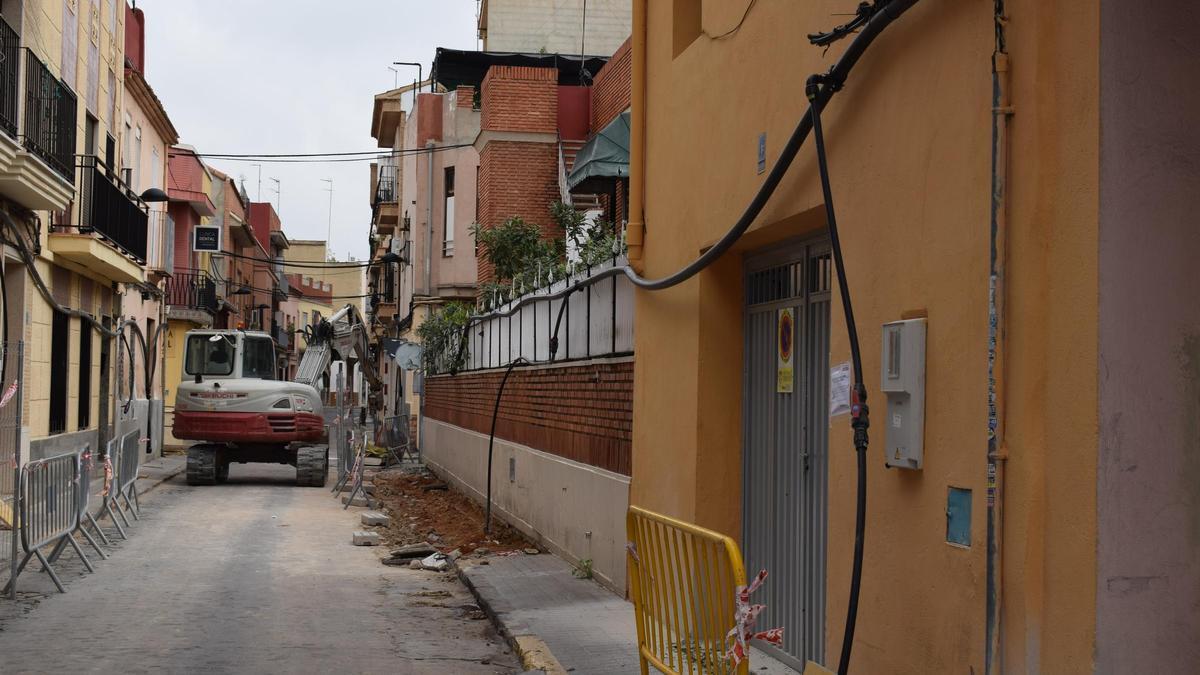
49,512
10,453
684,583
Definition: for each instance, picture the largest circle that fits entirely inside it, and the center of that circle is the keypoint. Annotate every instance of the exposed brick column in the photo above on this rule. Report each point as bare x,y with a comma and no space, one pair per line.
518,173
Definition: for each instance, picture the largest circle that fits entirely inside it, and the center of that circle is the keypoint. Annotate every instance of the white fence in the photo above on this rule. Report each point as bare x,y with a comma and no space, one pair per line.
596,322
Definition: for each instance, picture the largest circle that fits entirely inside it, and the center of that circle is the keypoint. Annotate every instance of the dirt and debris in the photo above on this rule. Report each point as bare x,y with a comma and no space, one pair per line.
430,516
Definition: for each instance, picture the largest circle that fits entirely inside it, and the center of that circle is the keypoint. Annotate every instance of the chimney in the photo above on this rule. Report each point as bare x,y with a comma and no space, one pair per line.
135,38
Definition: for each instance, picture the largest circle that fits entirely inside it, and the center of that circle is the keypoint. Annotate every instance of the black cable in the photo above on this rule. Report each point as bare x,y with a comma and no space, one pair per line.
384,154
487,522
4,308
300,264
735,29
251,155
859,419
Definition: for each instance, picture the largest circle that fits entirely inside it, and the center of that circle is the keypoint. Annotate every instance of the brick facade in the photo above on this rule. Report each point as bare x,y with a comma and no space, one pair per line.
519,98
583,413
611,88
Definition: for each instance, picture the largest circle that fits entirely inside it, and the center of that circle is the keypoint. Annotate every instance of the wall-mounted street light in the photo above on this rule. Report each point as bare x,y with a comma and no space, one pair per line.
154,195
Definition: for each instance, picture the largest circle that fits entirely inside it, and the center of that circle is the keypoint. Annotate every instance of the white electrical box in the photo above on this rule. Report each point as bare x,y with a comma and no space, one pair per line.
902,379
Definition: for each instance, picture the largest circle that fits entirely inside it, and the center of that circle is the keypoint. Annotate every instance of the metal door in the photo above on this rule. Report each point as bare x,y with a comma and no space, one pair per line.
785,443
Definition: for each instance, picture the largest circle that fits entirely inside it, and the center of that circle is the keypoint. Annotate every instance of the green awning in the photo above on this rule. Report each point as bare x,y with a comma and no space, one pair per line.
606,155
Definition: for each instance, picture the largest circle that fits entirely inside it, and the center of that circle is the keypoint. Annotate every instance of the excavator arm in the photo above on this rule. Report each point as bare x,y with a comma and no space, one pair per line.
341,336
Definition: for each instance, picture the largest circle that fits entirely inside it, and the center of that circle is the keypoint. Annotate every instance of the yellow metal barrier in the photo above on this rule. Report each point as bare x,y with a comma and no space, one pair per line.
683,580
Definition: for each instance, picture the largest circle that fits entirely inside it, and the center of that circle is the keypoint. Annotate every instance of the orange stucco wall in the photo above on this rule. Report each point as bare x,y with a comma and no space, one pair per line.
910,143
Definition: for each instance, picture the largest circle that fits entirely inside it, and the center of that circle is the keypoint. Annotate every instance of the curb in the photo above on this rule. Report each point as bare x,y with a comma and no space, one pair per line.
534,652
152,483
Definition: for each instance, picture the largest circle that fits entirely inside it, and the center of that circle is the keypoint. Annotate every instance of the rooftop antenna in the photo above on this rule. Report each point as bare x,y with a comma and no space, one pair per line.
329,224
258,196
395,77
278,196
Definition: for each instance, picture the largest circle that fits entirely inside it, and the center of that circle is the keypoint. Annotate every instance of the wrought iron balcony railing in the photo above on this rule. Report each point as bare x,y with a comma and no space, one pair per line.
110,208
10,74
192,291
385,188
49,123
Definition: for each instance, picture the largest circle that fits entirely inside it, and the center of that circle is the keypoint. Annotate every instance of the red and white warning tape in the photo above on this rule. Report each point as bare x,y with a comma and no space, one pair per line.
8,394
745,614
108,476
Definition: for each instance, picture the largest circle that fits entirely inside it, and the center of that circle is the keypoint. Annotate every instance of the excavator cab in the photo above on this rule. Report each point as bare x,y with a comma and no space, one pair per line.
230,400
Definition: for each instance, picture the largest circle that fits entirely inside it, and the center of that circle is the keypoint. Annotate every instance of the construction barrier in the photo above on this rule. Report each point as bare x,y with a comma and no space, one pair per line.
685,582
394,436
127,469
112,460
49,512
85,514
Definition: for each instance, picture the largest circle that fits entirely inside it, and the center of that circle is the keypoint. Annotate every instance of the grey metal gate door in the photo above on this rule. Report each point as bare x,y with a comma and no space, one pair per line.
785,443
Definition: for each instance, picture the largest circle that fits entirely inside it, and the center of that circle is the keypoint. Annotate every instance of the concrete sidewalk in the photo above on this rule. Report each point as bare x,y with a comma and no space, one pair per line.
560,623
159,470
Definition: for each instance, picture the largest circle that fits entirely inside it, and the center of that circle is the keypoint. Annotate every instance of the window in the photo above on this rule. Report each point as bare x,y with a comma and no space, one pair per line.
60,354
90,131
258,358
448,225
208,357
137,158
304,319
85,375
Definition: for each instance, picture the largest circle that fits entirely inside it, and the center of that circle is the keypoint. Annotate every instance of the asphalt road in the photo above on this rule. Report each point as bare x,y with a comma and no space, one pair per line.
254,576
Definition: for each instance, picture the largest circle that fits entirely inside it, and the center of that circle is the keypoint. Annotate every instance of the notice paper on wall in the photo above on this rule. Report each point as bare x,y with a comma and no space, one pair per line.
839,389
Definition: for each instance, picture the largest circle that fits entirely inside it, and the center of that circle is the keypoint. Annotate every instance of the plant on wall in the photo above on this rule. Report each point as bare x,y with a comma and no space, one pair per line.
523,260
441,337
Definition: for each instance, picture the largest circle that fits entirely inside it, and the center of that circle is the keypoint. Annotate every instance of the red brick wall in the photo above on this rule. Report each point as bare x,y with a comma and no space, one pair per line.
583,413
517,98
517,178
610,88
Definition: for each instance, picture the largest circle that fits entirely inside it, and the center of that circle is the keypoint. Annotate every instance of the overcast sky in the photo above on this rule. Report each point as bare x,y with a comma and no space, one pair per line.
294,76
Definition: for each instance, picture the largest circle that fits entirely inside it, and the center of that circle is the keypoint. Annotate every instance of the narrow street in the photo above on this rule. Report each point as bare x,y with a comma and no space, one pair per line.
253,576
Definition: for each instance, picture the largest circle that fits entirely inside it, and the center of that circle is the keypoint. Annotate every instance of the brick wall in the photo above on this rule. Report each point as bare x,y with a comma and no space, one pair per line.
518,98
517,178
583,413
611,88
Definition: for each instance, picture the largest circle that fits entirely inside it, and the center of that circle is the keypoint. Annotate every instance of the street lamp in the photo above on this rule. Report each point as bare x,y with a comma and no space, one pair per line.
154,195
260,308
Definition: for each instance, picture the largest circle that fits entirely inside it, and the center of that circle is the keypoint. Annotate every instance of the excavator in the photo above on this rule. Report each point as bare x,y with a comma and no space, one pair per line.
230,401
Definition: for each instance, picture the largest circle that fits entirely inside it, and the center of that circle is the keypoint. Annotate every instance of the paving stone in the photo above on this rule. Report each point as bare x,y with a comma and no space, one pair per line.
375,518
364,538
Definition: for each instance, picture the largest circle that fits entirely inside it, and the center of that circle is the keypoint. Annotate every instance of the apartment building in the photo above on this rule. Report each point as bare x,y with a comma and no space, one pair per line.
76,231
553,26
1014,190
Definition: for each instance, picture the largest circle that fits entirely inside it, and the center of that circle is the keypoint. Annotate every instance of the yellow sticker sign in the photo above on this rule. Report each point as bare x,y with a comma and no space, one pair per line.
785,344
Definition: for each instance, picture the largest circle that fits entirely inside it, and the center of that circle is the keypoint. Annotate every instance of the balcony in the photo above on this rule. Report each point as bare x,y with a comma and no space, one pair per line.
192,297
385,199
37,140
112,231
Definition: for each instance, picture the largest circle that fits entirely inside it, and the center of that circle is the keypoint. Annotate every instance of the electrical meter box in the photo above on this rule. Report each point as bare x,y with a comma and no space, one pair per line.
902,380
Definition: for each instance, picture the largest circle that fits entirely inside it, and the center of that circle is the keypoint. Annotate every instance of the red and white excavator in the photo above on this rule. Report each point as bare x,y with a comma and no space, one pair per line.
230,400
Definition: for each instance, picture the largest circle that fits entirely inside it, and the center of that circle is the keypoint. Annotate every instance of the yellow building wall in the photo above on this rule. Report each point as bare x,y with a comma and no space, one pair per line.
173,362
347,281
909,141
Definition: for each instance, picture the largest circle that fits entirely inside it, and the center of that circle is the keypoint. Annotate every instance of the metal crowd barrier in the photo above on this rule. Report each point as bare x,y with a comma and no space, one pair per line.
112,458
685,582
50,494
127,470
394,436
